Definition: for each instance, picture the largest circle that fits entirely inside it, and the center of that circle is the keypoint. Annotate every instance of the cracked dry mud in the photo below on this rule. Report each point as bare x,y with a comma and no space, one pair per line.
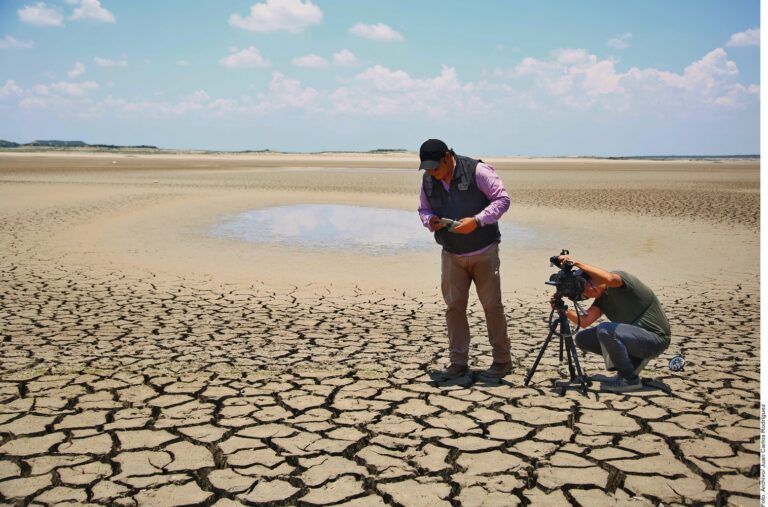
130,387
131,391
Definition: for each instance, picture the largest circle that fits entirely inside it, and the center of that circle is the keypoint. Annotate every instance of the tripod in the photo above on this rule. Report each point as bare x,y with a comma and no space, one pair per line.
566,341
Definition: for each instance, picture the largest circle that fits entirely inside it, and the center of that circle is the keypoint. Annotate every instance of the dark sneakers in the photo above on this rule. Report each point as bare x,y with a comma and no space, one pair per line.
497,370
454,371
621,385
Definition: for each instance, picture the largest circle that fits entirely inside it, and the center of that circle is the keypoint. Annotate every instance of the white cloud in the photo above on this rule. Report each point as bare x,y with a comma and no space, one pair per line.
310,61
569,79
248,58
182,63
276,15
383,79
529,66
91,10
620,42
571,70
600,78
198,96
285,92
711,72
74,89
66,97
33,103
77,71
106,62
40,15
739,96
9,42
380,91
377,32
571,56
282,93
344,58
10,88
749,37
194,102
576,79
377,91
221,107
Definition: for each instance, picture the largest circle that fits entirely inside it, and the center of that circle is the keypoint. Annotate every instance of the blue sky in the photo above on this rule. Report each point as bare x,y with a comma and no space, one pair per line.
490,77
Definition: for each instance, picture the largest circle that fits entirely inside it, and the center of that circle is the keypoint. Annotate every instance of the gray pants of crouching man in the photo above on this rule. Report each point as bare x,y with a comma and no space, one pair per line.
457,275
627,345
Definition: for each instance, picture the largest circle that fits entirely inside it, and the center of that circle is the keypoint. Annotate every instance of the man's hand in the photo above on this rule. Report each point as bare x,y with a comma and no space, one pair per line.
565,258
435,224
553,303
466,225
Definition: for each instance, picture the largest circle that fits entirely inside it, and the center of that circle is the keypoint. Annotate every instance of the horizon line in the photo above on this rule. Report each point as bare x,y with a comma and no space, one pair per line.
71,146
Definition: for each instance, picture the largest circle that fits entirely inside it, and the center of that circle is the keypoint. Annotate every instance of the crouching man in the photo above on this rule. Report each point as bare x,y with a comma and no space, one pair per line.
638,329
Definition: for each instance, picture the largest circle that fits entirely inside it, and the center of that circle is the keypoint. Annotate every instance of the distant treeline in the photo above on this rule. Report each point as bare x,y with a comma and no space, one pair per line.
80,144
69,144
684,157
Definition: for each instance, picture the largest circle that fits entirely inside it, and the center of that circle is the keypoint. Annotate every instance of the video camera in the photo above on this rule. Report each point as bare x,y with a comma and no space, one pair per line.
569,282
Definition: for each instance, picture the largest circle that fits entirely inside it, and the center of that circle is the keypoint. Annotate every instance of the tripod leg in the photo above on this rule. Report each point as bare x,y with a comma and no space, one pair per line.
570,361
532,370
565,335
579,373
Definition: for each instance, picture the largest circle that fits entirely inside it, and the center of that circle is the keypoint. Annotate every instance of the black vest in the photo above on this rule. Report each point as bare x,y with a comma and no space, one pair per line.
464,200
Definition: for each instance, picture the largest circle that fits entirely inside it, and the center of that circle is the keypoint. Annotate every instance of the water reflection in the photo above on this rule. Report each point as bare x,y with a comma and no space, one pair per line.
335,227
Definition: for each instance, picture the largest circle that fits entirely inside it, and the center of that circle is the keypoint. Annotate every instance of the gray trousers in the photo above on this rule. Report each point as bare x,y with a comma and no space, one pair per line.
457,274
625,344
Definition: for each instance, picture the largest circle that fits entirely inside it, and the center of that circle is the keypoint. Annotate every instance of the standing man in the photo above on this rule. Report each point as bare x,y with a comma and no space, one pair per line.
469,192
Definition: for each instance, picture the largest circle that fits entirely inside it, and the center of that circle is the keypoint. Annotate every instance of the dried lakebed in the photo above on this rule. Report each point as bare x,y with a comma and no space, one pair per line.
133,390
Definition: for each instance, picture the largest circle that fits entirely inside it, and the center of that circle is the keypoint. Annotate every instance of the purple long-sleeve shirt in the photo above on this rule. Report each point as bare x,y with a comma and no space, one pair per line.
489,183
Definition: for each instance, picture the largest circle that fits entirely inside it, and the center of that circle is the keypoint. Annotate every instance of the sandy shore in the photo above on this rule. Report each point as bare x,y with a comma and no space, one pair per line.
145,360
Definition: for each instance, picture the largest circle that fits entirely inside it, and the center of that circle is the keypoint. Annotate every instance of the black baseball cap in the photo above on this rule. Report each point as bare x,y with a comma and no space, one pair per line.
431,152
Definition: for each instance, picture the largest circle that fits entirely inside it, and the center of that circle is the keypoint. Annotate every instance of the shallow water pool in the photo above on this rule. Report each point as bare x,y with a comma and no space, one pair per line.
337,227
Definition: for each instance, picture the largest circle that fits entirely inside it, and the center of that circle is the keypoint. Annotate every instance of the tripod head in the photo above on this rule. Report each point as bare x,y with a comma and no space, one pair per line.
558,303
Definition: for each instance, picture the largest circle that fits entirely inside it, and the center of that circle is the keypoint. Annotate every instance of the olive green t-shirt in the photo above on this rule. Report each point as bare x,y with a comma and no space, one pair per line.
636,304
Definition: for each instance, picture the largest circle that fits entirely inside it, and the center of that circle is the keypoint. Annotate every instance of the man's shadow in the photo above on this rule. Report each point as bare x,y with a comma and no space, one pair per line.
594,381
472,377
